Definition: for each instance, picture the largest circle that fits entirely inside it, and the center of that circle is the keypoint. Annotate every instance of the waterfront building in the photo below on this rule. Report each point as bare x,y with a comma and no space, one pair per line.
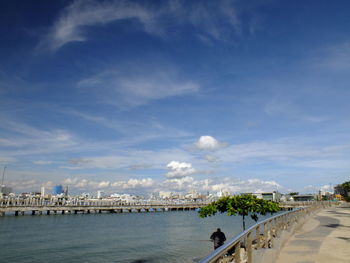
274,196
100,194
57,190
65,191
42,191
5,190
164,195
303,198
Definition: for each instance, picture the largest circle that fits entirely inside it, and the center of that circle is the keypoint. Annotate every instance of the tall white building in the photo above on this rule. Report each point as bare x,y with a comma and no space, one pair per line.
100,194
42,191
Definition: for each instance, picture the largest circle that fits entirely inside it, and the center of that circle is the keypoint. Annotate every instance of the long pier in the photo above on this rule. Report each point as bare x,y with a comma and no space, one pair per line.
54,205
33,206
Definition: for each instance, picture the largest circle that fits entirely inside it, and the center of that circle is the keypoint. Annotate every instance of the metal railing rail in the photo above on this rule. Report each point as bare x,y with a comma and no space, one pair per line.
270,228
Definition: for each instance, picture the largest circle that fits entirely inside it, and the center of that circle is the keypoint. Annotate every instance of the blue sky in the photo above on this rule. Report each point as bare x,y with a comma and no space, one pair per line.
148,96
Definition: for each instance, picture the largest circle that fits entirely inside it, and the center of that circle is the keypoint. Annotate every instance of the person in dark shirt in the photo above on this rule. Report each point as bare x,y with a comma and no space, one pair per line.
218,238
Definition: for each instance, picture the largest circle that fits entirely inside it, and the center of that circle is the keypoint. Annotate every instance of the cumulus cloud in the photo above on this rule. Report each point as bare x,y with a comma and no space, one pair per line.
178,170
208,143
179,184
228,185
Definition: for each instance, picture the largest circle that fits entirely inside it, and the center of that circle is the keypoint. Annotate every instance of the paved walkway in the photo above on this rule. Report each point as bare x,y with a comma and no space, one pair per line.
323,238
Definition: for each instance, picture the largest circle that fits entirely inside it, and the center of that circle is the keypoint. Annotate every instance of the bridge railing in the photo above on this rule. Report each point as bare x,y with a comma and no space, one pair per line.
76,202
261,235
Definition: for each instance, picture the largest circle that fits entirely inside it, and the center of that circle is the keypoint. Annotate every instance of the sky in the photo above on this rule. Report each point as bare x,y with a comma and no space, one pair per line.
176,96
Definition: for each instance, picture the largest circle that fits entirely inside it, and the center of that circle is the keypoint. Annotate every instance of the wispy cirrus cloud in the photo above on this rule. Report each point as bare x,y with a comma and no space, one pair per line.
73,21
131,159
138,86
19,138
290,110
213,20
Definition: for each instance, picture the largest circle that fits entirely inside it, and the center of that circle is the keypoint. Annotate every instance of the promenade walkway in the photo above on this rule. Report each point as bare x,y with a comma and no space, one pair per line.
325,237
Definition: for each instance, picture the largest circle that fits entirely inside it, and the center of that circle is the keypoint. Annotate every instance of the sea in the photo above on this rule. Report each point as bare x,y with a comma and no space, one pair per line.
173,236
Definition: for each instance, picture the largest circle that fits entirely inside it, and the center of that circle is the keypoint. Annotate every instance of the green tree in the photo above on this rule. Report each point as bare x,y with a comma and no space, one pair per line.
243,205
346,186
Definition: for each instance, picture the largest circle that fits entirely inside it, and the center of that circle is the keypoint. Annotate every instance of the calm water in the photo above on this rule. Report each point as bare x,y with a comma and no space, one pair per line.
129,237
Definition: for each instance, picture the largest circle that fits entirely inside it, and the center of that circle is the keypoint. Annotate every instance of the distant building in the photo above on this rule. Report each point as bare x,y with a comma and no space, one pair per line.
273,196
5,190
42,191
100,194
65,191
57,190
164,195
304,198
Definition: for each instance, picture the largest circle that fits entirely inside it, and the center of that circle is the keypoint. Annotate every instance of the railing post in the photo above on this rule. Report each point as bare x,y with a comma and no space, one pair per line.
266,241
238,252
257,237
271,234
249,248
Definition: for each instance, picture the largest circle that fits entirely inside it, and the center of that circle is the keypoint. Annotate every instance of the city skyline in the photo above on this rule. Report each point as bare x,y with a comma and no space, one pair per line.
150,96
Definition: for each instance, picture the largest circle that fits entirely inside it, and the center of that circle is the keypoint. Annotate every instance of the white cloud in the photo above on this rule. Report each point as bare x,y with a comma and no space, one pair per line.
288,109
129,159
80,14
41,162
178,170
134,183
209,143
227,184
211,158
293,152
136,85
179,184
6,159
30,140
217,21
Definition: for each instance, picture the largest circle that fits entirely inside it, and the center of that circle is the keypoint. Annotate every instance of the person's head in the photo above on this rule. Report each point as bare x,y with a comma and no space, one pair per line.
219,230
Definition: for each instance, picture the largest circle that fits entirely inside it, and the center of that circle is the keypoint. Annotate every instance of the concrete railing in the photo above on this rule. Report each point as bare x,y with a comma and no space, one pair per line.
261,235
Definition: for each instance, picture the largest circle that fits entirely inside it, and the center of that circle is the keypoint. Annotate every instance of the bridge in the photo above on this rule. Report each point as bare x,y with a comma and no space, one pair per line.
74,205
33,206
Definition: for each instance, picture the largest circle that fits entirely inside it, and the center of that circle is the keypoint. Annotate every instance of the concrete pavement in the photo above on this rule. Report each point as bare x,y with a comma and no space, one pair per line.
325,237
